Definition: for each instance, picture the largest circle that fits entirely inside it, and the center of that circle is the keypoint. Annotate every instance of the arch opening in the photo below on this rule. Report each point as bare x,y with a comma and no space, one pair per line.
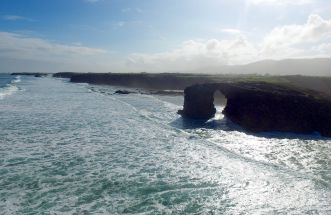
220,102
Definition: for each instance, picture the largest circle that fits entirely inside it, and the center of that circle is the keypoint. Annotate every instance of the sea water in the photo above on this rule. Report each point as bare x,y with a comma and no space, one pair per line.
7,84
80,149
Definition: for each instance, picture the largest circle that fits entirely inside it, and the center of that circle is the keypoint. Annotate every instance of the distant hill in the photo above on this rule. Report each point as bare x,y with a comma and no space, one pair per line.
309,67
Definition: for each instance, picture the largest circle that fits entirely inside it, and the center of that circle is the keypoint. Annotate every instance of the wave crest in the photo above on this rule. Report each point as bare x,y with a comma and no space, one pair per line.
17,79
9,89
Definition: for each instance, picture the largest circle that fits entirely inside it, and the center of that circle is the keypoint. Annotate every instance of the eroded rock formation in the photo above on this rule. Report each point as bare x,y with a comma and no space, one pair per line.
261,107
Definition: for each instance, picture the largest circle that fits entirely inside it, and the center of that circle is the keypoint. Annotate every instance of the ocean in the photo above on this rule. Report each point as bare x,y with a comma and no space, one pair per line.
70,148
7,84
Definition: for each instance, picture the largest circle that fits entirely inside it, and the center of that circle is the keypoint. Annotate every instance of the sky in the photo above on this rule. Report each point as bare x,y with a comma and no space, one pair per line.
158,36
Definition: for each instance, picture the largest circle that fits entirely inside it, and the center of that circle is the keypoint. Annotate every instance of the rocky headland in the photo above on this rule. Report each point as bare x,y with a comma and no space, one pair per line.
34,74
179,81
260,107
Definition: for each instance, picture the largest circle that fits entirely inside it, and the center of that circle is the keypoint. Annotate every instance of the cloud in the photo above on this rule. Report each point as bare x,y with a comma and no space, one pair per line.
323,48
315,30
31,51
15,18
20,46
120,24
128,10
310,39
289,41
231,31
280,2
196,54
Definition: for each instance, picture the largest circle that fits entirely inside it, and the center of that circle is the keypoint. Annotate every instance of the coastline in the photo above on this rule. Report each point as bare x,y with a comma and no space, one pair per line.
170,83
179,81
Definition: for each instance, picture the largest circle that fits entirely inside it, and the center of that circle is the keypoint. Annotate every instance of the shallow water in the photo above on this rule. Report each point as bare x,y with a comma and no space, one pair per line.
78,149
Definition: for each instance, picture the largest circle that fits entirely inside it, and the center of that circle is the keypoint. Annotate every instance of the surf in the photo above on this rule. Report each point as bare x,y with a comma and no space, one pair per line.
9,88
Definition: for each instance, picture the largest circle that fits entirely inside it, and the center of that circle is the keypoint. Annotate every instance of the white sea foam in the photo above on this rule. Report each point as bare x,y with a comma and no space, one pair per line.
8,90
17,79
11,88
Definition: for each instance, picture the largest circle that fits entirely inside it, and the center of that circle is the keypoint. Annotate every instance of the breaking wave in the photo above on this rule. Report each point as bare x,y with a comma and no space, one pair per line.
10,88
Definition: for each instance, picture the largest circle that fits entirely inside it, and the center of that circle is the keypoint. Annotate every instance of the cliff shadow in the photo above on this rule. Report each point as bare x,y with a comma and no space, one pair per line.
289,135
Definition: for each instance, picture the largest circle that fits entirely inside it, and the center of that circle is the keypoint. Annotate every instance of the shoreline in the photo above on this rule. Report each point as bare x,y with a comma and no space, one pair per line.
161,83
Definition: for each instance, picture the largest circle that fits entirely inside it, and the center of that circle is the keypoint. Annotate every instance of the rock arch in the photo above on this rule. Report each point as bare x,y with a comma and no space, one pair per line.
262,107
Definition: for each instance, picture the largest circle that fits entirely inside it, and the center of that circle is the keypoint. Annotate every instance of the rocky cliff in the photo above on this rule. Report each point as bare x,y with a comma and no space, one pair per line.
261,107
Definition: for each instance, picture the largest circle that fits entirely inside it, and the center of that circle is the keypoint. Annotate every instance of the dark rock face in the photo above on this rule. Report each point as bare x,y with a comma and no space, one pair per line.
199,102
261,107
64,74
162,81
123,92
35,74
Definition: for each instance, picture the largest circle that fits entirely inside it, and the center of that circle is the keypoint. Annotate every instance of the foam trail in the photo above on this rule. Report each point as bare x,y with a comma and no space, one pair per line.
8,90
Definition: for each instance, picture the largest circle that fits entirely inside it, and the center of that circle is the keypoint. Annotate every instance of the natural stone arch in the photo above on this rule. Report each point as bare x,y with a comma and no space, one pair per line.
199,99
262,107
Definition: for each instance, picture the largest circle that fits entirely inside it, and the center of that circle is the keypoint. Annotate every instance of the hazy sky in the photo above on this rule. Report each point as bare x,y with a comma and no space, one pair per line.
155,35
